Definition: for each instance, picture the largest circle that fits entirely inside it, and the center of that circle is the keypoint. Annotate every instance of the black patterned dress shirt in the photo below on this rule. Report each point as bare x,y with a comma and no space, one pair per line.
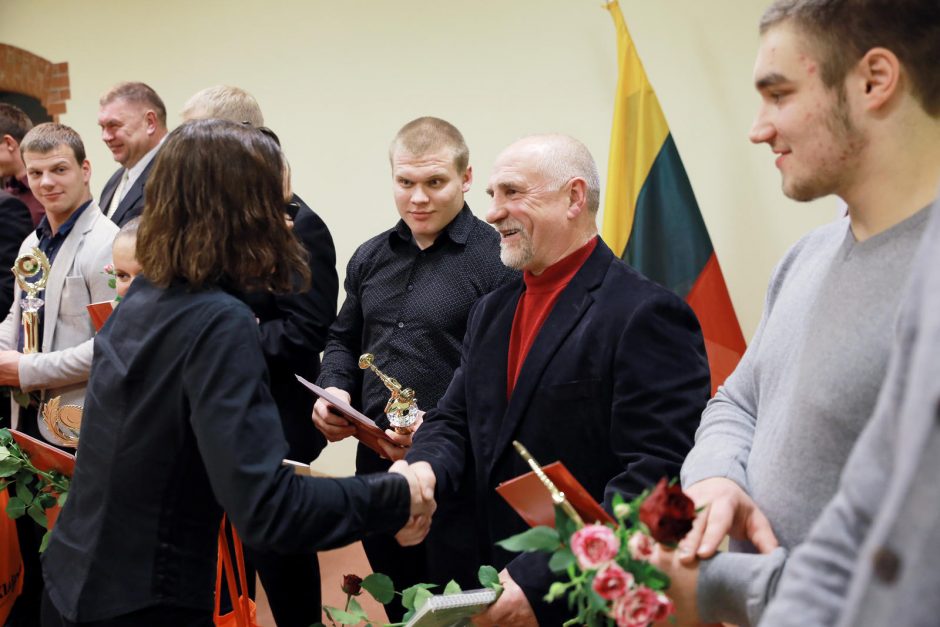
409,307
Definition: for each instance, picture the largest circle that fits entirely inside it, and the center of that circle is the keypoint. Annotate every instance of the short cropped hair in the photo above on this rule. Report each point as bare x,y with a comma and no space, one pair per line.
563,158
14,122
129,228
139,93
215,212
427,134
224,102
842,31
45,138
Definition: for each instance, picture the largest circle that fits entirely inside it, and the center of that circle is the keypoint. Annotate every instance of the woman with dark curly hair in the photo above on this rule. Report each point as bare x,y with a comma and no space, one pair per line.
179,421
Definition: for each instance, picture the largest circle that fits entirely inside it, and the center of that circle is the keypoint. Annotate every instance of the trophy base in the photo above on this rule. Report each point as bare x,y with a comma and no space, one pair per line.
403,430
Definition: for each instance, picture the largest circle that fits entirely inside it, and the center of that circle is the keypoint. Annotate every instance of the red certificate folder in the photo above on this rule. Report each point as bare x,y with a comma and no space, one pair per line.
367,431
100,312
46,457
533,502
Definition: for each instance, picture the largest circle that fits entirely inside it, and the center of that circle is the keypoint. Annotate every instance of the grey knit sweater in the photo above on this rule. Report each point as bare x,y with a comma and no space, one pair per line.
785,421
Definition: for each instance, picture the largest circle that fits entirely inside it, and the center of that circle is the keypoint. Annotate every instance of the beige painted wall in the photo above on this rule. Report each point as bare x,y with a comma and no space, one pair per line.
337,79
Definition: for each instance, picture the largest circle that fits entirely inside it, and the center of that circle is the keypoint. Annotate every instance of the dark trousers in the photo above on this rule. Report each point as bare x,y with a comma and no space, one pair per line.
157,616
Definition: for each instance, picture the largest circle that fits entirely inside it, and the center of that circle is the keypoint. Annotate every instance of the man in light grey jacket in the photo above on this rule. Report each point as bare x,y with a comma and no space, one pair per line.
872,557
76,237
851,106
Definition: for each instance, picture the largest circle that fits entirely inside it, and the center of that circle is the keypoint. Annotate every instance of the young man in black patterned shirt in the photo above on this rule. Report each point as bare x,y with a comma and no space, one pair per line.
409,291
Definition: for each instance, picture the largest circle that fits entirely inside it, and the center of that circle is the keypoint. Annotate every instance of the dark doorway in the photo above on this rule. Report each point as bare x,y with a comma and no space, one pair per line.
32,107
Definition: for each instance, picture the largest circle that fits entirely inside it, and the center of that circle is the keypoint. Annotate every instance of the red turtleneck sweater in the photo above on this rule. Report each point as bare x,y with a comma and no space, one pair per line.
540,295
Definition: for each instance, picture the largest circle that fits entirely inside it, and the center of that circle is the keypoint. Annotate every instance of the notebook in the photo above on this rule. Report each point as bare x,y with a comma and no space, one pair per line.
453,610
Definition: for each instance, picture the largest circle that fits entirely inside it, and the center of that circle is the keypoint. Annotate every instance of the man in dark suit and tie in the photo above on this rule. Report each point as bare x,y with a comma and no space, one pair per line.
132,118
583,360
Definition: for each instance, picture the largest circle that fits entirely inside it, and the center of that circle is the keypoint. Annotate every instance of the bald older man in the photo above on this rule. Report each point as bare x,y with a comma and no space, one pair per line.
582,359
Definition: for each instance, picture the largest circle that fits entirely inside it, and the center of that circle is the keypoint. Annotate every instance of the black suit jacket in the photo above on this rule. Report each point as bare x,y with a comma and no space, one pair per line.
133,203
293,334
15,224
613,386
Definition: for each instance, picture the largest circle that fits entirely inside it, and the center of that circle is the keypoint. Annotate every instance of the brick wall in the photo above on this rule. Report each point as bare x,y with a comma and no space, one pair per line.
24,73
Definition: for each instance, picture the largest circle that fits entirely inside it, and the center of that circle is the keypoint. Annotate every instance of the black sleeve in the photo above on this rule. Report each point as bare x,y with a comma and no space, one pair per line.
239,437
344,341
299,335
15,226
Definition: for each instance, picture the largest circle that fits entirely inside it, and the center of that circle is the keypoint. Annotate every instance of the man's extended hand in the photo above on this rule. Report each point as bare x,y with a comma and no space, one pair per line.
728,510
511,609
421,481
333,426
403,440
683,584
10,368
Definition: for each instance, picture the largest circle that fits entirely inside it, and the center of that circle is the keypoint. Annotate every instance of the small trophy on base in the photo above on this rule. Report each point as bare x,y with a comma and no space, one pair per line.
32,265
402,407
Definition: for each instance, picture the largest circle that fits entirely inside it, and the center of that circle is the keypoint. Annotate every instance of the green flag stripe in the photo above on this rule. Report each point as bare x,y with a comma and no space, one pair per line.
669,242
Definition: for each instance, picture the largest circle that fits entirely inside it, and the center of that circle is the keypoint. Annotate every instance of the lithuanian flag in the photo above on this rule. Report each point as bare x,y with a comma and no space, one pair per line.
651,218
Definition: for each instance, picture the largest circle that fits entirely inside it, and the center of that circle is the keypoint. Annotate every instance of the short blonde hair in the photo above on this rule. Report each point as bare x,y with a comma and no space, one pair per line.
223,102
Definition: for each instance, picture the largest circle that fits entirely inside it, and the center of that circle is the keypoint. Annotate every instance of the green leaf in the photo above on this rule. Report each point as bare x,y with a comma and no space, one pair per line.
343,617
561,560
380,587
21,397
9,467
421,597
45,500
37,514
539,538
4,453
62,499
23,492
452,587
45,540
15,507
488,576
563,523
356,610
408,594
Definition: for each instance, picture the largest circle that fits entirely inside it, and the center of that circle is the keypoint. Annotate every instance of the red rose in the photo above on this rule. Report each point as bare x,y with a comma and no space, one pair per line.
668,513
612,582
352,584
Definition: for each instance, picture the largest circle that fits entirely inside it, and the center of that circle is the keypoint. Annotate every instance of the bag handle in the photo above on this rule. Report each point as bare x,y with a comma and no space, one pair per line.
225,563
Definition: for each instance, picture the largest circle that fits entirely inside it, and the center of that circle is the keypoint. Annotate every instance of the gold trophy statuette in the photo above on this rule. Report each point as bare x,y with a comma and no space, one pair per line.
62,421
402,407
32,265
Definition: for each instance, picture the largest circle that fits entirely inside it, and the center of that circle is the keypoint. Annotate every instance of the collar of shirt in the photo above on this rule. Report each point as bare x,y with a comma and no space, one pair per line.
49,243
134,173
560,273
458,230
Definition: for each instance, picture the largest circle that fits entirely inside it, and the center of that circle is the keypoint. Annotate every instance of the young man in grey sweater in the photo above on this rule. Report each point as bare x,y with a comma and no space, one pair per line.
851,106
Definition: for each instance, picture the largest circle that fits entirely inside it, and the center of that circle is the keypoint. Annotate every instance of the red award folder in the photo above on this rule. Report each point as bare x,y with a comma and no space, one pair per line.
533,502
45,456
100,312
367,431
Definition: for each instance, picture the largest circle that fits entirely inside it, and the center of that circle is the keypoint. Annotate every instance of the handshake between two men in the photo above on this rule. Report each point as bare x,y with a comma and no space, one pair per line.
420,476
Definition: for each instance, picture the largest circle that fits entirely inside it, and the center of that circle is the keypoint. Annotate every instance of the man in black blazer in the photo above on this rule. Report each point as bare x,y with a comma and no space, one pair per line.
293,330
582,360
17,224
132,118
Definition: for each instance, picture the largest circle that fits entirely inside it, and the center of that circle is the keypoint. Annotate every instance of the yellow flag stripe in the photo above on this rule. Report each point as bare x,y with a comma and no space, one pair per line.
636,137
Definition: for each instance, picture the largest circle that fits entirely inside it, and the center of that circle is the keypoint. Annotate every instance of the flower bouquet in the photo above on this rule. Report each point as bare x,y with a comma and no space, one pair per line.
606,576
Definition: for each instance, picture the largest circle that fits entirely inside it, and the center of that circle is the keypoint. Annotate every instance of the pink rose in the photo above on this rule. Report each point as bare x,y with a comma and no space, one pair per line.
641,546
594,546
612,582
640,607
